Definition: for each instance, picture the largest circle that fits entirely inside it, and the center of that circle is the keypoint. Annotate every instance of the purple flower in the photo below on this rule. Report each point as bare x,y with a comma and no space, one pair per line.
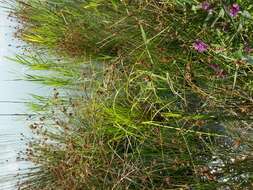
205,6
234,10
218,71
200,46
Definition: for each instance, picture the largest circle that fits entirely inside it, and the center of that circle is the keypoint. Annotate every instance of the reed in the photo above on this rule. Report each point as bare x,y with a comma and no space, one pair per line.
150,94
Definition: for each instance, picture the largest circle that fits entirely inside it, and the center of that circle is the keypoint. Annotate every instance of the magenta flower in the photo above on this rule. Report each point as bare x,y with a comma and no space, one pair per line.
234,10
205,6
218,71
200,46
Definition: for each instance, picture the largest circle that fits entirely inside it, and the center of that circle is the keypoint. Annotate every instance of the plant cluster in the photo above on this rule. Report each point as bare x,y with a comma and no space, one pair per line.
150,94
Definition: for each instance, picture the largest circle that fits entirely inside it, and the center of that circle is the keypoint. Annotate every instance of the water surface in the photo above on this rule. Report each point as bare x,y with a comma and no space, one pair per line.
12,94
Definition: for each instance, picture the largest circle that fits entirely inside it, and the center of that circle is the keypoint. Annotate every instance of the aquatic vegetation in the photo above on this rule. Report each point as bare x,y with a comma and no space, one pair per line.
140,103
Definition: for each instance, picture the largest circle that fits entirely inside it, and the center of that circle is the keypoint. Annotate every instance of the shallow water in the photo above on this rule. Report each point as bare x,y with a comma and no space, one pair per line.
10,90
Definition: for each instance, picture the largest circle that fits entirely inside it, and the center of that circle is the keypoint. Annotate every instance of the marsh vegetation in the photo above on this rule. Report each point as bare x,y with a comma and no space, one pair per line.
147,94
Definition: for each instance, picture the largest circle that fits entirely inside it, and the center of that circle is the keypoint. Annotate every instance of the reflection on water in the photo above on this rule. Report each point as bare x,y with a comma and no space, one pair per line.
10,145
11,127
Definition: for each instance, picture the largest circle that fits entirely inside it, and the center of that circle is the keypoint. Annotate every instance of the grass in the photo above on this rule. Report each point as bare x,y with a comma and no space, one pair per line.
136,106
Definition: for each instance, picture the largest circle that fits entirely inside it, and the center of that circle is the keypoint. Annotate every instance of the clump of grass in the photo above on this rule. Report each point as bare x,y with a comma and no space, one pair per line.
153,94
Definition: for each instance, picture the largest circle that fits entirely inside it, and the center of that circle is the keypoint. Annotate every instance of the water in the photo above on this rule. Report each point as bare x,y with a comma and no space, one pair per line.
11,90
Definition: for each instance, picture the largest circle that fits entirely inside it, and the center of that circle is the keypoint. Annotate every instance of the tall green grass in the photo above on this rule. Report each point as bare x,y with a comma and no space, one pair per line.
137,107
